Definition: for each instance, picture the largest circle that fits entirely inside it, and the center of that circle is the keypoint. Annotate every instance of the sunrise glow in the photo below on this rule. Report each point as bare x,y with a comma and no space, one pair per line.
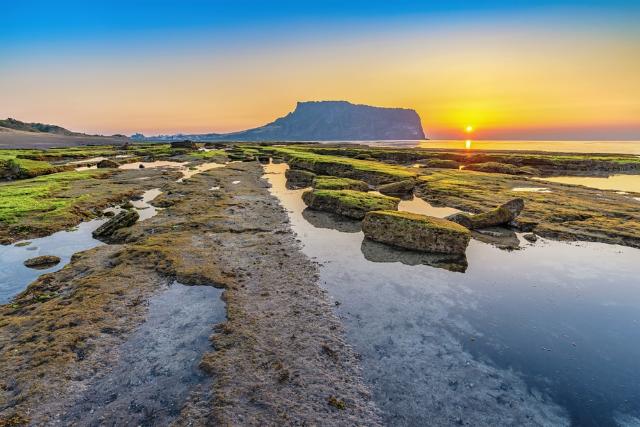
497,74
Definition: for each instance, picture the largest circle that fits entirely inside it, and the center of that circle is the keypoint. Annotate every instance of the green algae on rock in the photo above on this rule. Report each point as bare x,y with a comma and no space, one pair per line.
416,232
503,214
125,218
441,164
335,183
372,172
505,168
42,262
567,212
400,188
349,203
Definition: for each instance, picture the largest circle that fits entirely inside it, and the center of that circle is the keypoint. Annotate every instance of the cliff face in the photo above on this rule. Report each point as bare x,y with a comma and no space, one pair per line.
337,120
323,121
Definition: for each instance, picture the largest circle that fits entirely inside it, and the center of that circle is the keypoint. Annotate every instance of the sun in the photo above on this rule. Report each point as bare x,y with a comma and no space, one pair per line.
469,129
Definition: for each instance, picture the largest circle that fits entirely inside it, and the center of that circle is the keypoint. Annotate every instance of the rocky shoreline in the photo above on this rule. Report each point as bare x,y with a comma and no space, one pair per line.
280,358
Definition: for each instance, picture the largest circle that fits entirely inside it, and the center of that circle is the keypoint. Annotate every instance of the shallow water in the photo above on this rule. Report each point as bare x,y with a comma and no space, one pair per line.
14,276
154,164
187,172
531,189
612,182
158,366
544,335
616,147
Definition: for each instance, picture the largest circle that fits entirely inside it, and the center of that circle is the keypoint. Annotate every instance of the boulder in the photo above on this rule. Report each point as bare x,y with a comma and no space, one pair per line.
530,237
42,262
106,163
123,219
186,144
416,232
399,188
335,183
349,203
441,163
297,178
503,214
505,168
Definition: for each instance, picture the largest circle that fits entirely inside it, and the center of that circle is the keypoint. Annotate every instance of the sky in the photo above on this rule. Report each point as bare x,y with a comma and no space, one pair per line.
508,70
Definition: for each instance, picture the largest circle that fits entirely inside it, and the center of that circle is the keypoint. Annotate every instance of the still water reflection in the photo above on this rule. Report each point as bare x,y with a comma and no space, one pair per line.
612,182
544,335
14,276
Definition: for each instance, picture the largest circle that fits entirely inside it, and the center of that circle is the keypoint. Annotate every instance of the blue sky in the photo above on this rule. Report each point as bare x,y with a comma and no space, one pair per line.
519,68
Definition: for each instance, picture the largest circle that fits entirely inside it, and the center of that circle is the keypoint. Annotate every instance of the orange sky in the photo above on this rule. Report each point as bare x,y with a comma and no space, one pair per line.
508,81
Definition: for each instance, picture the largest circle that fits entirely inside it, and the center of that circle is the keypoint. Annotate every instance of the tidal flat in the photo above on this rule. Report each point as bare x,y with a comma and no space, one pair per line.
534,325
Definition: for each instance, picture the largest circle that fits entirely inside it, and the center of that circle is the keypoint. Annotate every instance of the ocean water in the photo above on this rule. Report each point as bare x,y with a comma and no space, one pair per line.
619,147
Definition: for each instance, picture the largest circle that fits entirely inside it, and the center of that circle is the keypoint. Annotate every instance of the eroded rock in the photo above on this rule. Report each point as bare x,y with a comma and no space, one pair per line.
503,214
297,178
505,168
441,164
124,219
335,183
352,204
107,163
42,262
186,144
399,188
416,232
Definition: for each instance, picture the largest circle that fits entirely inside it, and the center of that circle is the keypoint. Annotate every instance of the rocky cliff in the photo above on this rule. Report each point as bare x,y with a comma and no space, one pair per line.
328,121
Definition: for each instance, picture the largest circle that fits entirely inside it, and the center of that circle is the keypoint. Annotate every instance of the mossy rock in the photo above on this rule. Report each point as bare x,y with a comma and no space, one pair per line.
184,145
441,164
505,168
416,232
503,214
349,203
42,262
297,178
107,163
399,188
123,219
372,172
335,183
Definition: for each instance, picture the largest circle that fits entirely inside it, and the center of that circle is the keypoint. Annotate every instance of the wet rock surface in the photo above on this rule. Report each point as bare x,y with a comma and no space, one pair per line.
352,204
123,219
106,163
503,214
237,238
42,262
158,365
335,183
297,178
400,188
188,145
416,232
505,168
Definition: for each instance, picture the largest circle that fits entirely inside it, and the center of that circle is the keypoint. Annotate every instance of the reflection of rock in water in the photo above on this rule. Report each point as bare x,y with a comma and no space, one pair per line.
499,237
321,219
158,366
379,252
